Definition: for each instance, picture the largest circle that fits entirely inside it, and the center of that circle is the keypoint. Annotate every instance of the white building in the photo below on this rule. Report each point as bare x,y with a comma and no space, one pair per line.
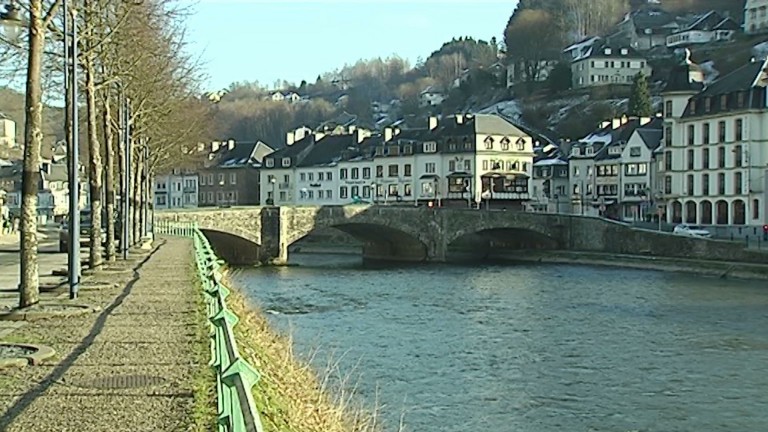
710,27
7,132
755,16
716,140
596,62
178,189
637,194
462,160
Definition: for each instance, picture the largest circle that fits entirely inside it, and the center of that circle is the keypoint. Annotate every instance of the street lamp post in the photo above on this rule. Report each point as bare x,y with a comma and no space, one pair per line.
74,153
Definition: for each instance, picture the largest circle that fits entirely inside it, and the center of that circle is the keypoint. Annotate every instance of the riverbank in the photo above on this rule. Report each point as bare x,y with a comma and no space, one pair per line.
290,395
701,267
729,269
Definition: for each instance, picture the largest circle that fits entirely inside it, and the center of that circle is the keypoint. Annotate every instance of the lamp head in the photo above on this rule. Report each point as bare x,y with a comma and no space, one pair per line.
11,22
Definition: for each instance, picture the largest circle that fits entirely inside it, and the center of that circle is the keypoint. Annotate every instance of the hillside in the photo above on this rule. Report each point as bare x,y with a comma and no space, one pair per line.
12,106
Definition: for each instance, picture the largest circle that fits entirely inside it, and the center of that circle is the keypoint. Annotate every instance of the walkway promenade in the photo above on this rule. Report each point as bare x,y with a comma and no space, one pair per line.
132,366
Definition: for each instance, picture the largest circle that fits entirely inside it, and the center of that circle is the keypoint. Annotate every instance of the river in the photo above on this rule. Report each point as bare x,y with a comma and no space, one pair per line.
534,348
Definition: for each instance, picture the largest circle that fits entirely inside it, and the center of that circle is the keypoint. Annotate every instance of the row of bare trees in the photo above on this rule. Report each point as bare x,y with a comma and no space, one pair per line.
128,50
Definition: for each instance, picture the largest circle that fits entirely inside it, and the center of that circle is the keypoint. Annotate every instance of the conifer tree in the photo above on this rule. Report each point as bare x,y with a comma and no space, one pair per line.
640,97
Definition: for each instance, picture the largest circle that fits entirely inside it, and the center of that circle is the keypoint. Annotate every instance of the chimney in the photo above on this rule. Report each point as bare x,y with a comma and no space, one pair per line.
615,123
290,138
231,144
459,118
605,124
200,147
432,123
644,120
388,132
215,145
360,135
46,167
318,136
624,119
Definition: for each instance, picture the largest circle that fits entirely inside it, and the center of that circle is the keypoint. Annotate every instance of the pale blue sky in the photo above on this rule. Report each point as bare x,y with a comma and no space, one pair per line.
257,40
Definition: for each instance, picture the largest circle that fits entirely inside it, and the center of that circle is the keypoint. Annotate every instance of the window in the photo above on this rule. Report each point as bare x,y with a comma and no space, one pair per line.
755,209
739,132
721,132
355,192
366,191
379,171
668,136
721,184
393,170
343,174
668,161
221,179
303,177
329,193
451,166
407,170
320,194
210,179
668,184
740,99
320,176
724,102
705,158
690,159
488,143
343,192
634,151
286,162
705,184
737,183
707,104
355,173
407,190
575,171
721,157
408,149
311,176
689,184
366,173
270,163
467,165
520,144
668,109
691,134
705,133
392,190
505,143
429,167
738,157
430,147
329,176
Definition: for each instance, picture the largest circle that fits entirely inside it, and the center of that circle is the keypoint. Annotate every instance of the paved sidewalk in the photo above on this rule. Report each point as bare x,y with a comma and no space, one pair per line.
130,367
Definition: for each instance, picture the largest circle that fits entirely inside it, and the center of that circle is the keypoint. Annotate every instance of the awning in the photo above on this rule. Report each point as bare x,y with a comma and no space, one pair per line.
510,175
429,176
460,174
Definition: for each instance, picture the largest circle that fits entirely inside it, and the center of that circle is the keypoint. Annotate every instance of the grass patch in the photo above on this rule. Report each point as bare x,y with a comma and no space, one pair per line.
203,417
290,396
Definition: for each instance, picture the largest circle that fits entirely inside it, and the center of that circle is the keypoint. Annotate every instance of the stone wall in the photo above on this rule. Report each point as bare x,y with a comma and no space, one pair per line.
424,234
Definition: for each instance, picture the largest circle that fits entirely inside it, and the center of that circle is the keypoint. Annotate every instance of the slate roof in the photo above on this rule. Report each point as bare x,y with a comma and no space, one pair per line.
241,155
328,150
478,124
653,18
749,80
651,137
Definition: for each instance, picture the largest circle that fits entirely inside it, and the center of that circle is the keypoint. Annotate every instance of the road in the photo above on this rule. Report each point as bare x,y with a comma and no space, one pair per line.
49,259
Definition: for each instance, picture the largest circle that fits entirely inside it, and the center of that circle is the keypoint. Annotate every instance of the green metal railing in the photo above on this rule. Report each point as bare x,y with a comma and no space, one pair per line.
234,376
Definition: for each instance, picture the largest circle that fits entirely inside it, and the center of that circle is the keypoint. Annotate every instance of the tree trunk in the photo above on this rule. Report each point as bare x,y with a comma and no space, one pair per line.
109,174
94,167
136,173
29,287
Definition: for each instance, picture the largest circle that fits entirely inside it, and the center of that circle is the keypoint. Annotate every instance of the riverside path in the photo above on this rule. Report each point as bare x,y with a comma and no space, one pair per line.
134,365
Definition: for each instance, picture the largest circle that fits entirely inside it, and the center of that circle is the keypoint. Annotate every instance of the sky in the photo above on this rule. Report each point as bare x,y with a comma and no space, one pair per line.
265,41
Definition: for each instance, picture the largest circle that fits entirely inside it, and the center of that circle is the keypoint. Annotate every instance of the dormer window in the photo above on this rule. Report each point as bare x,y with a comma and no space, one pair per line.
693,107
520,144
590,151
624,51
430,147
467,144
286,162
614,150
505,143
408,149
575,151
707,104
379,151
270,163
393,150
607,51
740,99
488,143
723,102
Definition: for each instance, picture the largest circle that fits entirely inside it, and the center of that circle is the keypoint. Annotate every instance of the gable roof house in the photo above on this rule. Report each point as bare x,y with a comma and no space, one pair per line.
596,62
231,176
705,28
647,27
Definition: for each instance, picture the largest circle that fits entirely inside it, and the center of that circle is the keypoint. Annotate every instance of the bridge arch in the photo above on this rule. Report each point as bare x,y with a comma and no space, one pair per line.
234,246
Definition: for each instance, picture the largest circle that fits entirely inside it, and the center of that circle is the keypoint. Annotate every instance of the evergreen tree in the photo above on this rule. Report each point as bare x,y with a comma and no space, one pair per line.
640,97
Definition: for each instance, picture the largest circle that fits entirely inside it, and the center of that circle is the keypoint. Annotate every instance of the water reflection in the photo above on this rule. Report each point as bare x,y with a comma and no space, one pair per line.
533,348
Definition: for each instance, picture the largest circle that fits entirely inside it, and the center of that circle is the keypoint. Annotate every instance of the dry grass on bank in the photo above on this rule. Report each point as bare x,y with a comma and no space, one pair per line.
289,395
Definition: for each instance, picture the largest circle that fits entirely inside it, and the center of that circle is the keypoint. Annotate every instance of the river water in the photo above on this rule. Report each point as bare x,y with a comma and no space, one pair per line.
531,347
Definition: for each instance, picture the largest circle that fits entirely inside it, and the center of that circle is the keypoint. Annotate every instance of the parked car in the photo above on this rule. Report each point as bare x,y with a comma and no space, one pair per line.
85,231
692,231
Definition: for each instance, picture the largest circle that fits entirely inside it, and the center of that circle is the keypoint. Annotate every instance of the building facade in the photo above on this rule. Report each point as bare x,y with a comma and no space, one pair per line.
231,177
178,189
755,16
715,157
601,63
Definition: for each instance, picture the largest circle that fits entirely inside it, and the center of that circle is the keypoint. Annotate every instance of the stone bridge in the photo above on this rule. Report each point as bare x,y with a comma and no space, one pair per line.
248,235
